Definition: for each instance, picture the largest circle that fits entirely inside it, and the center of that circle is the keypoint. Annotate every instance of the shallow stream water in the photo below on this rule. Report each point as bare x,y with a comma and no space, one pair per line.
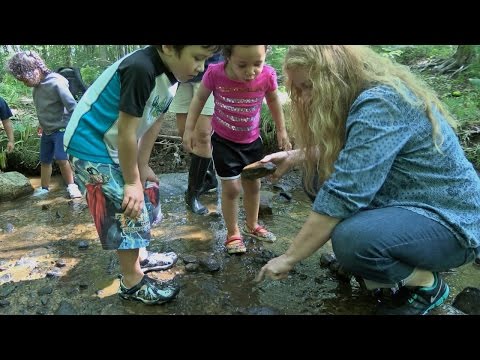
45,269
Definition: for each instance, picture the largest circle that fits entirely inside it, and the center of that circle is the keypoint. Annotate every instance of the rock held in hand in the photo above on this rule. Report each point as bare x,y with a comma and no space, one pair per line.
258,170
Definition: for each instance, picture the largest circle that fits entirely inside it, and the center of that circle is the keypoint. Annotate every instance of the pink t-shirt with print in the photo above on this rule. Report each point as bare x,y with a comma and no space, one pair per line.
237,104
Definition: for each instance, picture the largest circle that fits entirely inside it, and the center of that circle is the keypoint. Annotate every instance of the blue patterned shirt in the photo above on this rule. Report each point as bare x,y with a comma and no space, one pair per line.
389,159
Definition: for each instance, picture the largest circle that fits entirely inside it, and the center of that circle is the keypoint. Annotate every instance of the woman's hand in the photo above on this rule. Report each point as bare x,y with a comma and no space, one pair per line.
283,161
276,269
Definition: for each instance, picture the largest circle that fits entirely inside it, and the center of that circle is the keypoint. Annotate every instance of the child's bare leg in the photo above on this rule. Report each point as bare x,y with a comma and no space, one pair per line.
130,267
230,192
45,174
251,201
66,171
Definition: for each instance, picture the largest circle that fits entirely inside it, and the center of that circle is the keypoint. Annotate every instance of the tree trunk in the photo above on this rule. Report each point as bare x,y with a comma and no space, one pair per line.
69,54
103,53
460,61
464,54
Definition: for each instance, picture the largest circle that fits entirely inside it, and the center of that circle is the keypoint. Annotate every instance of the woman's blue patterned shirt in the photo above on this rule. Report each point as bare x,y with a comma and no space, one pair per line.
389,159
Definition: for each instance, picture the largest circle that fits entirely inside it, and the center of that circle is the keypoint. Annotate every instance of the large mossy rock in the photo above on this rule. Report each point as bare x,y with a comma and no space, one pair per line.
13,185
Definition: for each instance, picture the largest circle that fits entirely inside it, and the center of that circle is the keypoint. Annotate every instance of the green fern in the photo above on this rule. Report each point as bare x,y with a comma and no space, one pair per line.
3,159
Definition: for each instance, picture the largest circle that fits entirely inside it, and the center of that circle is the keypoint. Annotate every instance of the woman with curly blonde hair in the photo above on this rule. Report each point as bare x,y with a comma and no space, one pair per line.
389,181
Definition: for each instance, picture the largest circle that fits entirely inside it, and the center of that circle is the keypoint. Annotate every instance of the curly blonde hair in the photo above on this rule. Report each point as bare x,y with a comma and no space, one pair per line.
338,74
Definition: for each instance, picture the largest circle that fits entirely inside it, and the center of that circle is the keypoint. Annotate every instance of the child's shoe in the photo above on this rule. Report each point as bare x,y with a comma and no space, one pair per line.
158,261
235,245
149,291
40,192
74,191
259,233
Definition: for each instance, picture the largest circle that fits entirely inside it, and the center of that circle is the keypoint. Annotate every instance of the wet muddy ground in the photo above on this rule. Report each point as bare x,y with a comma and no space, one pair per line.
51,261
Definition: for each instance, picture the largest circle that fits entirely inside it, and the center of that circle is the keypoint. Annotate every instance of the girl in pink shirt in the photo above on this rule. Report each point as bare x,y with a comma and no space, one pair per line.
239,85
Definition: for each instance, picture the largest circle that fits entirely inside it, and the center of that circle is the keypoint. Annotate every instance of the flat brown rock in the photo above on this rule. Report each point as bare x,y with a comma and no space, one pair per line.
258,170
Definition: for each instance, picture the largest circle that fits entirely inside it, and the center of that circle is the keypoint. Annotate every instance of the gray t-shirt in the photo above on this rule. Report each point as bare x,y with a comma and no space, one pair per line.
389,160
54,102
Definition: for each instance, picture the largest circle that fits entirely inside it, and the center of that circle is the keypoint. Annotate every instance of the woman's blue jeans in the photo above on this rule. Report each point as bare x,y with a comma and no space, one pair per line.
386,245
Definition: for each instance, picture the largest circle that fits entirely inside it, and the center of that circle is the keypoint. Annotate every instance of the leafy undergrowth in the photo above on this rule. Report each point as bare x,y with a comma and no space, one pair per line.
459,93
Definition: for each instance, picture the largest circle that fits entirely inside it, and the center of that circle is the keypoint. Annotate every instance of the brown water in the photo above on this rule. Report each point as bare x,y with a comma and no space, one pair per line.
50,229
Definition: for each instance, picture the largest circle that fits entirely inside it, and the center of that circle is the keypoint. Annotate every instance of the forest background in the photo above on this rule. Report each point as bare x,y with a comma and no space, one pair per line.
453,71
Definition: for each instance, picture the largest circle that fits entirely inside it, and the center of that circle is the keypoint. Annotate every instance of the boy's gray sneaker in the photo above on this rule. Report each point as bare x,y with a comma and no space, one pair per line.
149,291
74,191
158,261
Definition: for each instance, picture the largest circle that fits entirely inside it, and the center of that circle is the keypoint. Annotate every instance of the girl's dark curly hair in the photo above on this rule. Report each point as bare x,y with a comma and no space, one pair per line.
227,50
179,48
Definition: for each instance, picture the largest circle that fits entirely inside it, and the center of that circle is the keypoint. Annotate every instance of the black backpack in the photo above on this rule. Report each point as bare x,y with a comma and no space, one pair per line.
75,81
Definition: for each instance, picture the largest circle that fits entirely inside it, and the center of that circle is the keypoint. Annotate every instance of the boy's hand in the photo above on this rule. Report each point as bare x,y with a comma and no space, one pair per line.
147,174
10,146
132,200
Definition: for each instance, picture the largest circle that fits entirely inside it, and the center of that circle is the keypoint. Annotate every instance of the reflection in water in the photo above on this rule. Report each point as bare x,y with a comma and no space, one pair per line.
50,229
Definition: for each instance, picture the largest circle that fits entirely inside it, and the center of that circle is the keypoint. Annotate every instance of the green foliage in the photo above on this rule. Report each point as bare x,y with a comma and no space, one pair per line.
465,107
267,130
415,53
459,94
3,59
26,155
91,59
390,52
13,91
275,57
90,73
475,82
461,98
473,154
3,158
